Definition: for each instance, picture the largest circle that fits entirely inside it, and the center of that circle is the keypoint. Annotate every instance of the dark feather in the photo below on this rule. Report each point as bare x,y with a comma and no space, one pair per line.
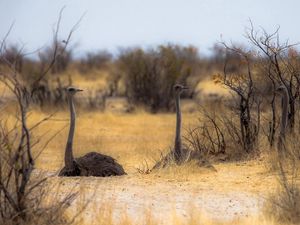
94,164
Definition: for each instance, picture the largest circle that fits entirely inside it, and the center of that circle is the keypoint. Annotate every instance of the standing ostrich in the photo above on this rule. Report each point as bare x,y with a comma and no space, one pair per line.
178,152
282,90
91,164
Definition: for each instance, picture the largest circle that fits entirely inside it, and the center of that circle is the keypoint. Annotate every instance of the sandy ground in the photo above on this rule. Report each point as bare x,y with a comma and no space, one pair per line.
235,191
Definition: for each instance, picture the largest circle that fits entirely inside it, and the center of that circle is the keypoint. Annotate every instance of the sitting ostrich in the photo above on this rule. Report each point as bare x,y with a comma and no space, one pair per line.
91,164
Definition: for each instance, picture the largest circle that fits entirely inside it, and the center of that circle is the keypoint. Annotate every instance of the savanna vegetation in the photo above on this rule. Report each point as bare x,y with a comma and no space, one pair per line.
243,154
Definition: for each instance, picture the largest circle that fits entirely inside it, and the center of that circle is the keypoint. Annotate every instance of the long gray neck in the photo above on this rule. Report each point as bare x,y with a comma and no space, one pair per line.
69,158
284,113
177,146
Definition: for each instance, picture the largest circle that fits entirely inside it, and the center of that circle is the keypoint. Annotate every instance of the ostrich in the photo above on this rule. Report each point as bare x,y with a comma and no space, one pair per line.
178,152
282,90
91,164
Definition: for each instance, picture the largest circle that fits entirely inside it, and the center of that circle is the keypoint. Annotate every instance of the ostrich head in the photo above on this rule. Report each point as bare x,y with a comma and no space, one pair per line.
281,90
178,88
72,90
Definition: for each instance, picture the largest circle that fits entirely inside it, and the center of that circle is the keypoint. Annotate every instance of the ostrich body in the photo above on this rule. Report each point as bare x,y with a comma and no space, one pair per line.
91,164
282,90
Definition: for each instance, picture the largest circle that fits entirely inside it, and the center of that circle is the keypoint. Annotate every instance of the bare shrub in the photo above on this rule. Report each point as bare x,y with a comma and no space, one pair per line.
207,138
13,56
95,60
278,62
33,77
22,194
151,74
247,103
63,56
114,81
253,74
217,135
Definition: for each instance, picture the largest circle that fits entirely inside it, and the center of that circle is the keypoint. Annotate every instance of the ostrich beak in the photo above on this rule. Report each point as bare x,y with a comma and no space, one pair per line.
79,90
185,88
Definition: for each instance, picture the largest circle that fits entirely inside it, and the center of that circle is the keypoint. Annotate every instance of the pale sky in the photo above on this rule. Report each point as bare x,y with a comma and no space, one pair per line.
110,24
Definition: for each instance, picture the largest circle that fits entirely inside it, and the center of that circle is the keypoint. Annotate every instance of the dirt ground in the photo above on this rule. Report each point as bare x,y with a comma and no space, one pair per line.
235,191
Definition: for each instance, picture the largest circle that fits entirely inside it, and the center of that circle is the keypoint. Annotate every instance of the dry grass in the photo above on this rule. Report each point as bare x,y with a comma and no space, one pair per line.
130,138
283,205
175,195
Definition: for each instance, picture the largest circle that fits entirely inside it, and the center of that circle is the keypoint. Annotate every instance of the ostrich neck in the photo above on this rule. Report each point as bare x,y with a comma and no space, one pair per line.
284,115
69,158
178,125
